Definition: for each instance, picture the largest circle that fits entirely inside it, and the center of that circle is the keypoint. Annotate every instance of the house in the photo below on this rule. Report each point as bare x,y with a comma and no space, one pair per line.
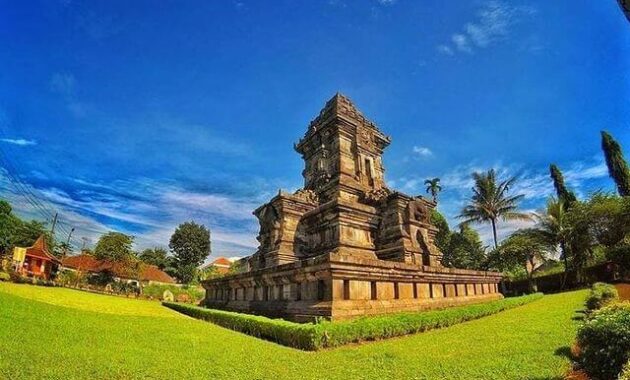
146,274
35,261
221,264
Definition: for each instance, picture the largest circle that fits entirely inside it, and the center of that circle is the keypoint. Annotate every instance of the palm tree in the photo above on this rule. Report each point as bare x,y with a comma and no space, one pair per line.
491,201
433,187
554,229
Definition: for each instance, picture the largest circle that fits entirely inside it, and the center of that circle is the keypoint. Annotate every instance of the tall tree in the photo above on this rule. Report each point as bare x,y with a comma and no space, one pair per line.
564,194
114,246
490,202
617,165
191,245
433,187
155,256
465,249
444,233
527,248
554,229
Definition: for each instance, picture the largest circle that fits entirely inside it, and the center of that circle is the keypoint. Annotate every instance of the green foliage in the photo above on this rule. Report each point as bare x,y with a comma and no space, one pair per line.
4,276
191,246
70,278
566,196
16,232
443,235
332,334
156,291
433,187
155,256
601,294
465,249
114,246
491,201
625,373
617,166
604,341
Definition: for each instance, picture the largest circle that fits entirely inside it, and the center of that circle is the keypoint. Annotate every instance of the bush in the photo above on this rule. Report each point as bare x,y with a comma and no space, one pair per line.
604,341
331,334
600,295
156,291
70,278
4,276
277,330
625,373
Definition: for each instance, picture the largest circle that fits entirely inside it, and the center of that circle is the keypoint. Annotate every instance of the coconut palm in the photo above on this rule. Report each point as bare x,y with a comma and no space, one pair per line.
554,229
491,202
433,187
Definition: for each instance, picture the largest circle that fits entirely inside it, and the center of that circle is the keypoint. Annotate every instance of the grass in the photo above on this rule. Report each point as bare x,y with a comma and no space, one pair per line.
52,333
328,334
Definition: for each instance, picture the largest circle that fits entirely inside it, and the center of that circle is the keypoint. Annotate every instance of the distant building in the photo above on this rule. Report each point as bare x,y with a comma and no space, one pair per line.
222,265
148,274
35,261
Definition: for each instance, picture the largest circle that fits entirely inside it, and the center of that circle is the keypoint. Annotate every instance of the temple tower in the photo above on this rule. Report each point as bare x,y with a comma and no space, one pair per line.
342,152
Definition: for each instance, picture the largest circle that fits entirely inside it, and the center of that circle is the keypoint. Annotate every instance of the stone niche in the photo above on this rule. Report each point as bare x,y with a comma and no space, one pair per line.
345,245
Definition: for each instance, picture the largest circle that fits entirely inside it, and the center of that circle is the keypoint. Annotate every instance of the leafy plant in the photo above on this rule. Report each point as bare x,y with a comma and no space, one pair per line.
600,295
604,341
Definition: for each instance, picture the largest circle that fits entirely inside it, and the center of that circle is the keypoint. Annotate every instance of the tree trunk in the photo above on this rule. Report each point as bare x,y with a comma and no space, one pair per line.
494,232
565,260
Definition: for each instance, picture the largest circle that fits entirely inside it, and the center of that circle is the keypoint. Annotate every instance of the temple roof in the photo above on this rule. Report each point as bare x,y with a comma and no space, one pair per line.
40,249
341,106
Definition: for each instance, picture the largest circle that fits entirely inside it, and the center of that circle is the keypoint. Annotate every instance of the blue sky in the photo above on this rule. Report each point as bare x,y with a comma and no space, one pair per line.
137,116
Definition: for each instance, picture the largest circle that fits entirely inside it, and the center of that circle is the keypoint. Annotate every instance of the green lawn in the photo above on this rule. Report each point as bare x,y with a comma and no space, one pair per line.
66,334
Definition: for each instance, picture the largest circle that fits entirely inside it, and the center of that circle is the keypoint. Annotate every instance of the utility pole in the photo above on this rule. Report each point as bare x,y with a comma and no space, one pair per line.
54,223
65,249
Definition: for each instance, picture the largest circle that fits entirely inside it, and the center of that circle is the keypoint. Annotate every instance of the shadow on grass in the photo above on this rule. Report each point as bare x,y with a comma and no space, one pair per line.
566,352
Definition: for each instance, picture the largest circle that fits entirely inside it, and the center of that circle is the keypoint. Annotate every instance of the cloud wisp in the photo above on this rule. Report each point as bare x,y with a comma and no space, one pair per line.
19,142
493,24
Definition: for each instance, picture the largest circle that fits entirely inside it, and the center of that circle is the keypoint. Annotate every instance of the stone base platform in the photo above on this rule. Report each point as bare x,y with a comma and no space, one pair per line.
339,286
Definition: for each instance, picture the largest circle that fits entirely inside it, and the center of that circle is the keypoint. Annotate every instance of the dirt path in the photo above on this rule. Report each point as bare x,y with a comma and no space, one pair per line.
624,291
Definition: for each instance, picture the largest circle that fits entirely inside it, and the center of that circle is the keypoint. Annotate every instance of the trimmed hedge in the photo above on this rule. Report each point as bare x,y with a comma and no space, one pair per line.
604,341
600,295
277,330
328,334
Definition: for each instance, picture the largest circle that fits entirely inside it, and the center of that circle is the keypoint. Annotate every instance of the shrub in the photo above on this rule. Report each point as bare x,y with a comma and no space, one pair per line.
277,330
325,334
4,276
156,291
70,278
625,373
604,341
600,295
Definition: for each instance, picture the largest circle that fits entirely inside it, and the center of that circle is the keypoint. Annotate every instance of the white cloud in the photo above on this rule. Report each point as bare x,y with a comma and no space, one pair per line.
461,43
445,50
19,142
422,151
493,23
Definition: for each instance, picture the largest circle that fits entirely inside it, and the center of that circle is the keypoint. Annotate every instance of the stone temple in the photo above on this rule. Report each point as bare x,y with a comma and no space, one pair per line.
345,245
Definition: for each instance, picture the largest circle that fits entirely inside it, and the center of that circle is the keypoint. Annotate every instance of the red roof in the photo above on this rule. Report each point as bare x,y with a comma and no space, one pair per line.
221,261
40,250
89,263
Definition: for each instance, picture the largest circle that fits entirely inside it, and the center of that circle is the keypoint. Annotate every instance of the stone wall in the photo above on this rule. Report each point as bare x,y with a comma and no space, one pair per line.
337,286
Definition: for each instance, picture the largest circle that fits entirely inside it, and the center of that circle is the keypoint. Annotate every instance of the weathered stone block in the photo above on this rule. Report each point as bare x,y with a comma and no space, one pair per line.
423,290
405,290
450,290
438,290
385,290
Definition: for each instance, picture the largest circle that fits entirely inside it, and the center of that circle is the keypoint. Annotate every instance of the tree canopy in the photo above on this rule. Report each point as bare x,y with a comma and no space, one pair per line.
190,244
114,246
617,165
